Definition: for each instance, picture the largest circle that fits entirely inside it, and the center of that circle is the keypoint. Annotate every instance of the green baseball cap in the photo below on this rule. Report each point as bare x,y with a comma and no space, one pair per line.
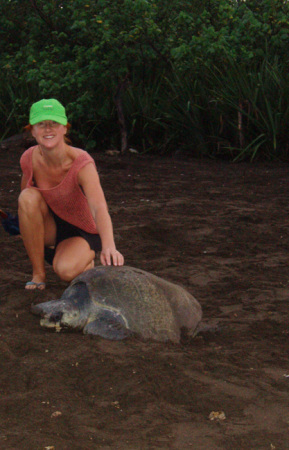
47,109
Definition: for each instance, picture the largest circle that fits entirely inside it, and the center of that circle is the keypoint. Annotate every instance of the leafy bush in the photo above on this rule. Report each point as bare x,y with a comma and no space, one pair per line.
205,77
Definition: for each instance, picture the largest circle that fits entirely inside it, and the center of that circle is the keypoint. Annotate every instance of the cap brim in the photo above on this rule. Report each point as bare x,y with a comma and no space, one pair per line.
45,116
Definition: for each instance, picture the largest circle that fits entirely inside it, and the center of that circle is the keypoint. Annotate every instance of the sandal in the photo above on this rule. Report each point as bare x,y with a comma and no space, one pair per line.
41,286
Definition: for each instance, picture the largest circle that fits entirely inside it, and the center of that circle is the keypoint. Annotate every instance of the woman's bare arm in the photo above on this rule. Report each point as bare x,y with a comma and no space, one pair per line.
89,181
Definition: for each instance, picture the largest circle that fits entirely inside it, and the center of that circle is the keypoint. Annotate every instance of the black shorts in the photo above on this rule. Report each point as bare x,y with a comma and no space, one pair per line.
65,230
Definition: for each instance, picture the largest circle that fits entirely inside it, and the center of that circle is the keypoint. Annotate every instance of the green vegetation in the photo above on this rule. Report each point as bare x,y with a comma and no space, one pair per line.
202,77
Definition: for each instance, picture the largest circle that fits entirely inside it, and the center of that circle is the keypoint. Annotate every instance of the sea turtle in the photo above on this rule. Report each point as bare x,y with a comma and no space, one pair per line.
116,302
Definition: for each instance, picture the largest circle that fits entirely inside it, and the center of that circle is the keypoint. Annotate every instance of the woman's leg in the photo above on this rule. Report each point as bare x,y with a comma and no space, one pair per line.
37,228
72,257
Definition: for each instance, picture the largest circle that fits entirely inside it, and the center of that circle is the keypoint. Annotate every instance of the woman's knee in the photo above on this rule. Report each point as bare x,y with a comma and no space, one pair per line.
30,200
68,269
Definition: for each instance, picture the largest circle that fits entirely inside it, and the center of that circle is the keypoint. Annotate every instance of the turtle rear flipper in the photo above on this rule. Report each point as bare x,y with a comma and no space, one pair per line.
108,325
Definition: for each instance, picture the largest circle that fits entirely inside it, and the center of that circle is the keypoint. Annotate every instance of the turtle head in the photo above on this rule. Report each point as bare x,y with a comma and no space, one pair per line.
71,311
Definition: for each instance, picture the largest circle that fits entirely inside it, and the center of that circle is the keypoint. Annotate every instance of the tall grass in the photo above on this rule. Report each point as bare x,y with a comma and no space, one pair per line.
15,99
235,111
143,107
169,115
254,105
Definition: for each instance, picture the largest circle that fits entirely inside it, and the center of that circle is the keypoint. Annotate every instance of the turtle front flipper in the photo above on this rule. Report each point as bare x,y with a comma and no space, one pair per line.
108,324
51,313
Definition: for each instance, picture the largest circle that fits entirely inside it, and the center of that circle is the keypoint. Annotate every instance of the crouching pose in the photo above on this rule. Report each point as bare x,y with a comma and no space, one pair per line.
63,215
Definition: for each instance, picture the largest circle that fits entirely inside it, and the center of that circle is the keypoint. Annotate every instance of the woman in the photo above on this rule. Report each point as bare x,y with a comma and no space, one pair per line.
61,205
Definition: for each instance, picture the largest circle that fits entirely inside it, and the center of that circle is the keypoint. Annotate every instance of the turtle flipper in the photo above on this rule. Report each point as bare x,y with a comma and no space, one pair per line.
108,325
47,308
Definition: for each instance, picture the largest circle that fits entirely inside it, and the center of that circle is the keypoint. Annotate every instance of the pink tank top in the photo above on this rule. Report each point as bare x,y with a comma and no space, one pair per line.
66,200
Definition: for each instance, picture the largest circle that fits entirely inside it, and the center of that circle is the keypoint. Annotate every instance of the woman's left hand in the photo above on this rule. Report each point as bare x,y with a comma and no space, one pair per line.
109,255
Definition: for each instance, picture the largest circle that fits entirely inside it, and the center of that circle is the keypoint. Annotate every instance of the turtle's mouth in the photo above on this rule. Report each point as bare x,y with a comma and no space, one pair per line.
52,321
60,320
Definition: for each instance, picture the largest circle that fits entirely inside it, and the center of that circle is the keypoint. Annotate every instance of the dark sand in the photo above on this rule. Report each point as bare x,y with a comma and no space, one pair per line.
219,229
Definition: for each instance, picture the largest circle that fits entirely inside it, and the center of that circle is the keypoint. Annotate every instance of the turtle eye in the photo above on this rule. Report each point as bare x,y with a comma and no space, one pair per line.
56,317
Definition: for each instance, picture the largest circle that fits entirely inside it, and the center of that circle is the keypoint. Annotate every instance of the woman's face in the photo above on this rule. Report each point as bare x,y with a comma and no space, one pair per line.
48,133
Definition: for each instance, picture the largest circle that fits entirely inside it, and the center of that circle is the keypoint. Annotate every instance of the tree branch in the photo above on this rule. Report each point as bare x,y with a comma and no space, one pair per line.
120,114
41,14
